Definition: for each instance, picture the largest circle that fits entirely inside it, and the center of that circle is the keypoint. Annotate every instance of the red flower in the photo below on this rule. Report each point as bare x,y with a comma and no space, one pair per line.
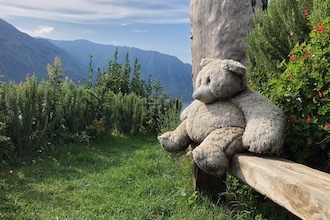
321,27
293,119
320,93
292,57
306,12
308,119
326,126
305,55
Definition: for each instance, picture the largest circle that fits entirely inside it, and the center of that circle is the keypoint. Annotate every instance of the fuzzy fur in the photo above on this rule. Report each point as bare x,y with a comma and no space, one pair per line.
226,118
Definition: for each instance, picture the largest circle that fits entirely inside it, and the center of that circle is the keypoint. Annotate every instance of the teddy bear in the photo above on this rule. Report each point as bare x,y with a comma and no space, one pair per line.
225,118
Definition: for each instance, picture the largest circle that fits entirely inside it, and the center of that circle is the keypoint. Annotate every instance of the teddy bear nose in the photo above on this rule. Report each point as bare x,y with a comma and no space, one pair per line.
204,94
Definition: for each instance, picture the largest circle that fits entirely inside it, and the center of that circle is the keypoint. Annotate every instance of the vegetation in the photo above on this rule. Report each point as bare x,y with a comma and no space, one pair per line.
35,115
289,60
120,177
59,160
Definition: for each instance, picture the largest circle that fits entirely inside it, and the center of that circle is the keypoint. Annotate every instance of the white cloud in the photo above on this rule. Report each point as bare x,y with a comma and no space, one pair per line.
100,11
44,30
40,31
140,31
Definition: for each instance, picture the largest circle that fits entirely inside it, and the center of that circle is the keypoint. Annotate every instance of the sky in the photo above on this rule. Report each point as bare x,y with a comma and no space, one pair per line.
156,25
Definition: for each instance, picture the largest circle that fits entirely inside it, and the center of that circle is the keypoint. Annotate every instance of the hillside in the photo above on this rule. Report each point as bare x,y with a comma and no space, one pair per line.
174,74
22,55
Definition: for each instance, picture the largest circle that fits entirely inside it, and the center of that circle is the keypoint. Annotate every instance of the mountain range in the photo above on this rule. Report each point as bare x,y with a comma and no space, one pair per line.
21,54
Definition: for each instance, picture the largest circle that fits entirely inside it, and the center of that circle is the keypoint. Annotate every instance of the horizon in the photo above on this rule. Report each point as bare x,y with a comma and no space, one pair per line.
163,27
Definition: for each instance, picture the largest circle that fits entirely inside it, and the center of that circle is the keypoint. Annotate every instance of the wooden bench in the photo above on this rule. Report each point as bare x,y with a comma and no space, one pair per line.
302,190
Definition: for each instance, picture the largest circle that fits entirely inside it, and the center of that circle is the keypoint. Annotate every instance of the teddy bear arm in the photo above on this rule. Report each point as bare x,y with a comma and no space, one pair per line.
176,140
265,123
185,112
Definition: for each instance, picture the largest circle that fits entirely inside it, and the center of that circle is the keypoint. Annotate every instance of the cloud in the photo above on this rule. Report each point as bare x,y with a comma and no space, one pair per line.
140,31
40,31
100,11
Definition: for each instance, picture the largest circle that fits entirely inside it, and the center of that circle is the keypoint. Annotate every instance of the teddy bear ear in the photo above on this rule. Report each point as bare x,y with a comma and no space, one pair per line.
234,66
206,61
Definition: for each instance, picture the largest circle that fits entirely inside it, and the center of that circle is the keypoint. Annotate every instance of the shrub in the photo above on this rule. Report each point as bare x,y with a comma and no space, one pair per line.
275,33
289,63
303,91
129,112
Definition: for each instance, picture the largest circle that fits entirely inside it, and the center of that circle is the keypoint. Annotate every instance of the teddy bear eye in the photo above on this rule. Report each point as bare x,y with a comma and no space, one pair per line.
208,80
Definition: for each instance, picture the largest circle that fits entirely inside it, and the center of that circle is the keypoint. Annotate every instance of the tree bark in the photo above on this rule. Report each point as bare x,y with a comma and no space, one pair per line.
218,28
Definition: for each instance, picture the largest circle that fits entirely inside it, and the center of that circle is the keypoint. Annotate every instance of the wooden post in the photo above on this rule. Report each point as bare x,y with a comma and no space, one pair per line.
213,186
218,28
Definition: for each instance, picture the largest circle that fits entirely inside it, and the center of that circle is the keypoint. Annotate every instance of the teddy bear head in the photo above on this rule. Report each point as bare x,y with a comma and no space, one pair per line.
219,80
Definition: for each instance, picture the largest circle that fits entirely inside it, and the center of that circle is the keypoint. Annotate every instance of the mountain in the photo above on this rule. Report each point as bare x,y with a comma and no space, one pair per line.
21,55
175,75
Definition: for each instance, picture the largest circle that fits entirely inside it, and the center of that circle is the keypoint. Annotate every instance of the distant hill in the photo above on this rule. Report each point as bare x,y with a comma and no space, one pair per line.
21,55
173,73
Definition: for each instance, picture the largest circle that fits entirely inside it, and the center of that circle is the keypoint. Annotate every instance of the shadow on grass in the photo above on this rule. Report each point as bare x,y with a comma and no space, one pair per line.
62,165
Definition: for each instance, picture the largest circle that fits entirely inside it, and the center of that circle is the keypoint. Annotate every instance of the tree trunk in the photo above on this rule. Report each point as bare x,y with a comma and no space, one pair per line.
218,28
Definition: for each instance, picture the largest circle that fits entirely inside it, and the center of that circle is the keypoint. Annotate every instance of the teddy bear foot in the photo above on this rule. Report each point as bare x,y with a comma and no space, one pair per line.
170,144
215,164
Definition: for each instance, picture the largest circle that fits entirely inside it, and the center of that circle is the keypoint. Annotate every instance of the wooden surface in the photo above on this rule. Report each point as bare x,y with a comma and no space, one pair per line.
302,190
213,186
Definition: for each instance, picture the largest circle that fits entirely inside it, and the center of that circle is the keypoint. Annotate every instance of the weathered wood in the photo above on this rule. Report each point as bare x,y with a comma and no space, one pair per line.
302,190
218,28
210,185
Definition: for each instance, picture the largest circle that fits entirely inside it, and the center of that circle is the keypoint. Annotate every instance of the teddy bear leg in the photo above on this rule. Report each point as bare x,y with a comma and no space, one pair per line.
214,153
177,140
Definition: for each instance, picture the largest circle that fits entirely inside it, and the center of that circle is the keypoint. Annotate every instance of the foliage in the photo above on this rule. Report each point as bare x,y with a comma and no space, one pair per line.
170,119
289,63
35,114
129,112
275,33
303,91
244,197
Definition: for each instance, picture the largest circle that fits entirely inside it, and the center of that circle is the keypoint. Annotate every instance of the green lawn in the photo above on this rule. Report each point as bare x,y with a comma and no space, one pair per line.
119,178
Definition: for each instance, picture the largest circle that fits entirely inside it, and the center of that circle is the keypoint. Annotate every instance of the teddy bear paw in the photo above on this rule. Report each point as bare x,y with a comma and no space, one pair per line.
215,163
169,144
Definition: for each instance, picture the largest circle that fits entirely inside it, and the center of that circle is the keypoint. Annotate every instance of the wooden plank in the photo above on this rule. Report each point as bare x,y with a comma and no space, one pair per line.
302,190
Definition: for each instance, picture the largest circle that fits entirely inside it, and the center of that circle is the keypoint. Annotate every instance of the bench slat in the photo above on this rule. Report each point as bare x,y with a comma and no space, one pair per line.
300,189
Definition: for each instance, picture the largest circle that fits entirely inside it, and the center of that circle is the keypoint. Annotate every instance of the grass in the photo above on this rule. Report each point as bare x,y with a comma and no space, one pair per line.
119,178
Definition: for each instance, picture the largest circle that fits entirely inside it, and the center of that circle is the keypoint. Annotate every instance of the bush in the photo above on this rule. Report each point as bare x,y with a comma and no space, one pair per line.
303,91
275,33
289,63
35,114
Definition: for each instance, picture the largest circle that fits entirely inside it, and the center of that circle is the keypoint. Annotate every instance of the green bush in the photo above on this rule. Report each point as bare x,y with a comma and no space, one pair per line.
303,91
275,33
129,112
35,114
288,54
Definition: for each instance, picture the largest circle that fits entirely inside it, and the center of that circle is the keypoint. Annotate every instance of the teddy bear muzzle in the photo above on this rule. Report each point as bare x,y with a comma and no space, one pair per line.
204,94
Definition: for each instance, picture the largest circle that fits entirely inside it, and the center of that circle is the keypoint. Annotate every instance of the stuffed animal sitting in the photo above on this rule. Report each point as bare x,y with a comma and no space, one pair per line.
226,117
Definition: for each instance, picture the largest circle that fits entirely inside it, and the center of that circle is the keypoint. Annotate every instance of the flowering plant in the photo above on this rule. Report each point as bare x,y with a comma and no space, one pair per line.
303,91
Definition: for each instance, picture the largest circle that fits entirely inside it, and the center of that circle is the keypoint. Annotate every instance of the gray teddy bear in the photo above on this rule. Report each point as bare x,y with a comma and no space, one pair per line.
226,117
